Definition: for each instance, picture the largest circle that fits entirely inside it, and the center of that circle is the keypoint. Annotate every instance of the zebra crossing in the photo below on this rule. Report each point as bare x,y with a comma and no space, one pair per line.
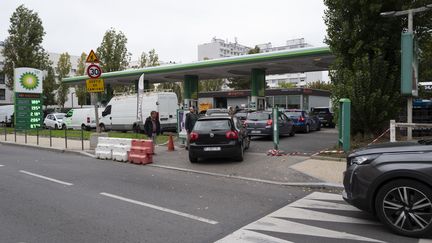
322,217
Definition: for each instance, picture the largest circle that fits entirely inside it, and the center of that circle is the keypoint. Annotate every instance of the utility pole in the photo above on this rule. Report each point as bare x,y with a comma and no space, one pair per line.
410,14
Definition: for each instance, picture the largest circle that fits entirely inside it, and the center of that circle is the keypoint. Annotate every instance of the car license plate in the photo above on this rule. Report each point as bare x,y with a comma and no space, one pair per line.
255,132
212,148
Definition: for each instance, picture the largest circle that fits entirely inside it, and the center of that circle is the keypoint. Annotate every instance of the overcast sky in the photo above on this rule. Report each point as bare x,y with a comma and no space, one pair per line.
173,27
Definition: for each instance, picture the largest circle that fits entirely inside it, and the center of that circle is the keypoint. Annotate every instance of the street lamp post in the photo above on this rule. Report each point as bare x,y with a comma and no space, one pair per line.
410,13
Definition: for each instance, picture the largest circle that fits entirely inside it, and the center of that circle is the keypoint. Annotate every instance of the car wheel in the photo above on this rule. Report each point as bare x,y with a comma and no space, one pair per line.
102,127
136,128
318,127
240,157
44,126
247,142
332,125
307,129
405,206
192,158
55,126
292,133
63,127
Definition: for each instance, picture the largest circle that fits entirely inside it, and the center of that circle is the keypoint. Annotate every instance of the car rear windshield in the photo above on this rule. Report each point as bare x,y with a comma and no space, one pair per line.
321,111
293,113
259,116
212,125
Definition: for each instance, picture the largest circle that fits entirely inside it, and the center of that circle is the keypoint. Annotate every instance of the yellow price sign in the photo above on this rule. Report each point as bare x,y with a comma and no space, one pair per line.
95,85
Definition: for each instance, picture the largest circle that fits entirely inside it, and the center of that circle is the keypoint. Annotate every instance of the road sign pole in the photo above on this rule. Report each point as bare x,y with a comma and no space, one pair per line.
94,100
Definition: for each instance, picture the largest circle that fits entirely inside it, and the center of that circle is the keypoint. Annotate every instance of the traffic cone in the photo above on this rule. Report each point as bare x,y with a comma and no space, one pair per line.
170,143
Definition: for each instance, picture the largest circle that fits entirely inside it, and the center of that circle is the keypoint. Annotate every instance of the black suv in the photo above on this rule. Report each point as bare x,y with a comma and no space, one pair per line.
325,116
218,137
394,182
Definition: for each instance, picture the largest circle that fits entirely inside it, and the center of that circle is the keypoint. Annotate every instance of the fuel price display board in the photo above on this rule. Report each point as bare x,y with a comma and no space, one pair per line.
28,111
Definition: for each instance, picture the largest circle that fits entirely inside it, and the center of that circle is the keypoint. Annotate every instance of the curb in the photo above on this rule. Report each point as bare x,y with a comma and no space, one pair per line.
58,150
320,157
316,185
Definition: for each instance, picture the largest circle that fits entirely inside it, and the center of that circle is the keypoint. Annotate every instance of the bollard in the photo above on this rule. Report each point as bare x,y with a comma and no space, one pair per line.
82,139
65,138
37,136
15,134
25,136
5,132
50,137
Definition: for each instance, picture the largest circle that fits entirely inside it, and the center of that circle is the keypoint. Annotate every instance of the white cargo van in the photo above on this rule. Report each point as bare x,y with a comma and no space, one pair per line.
83,118
121,112
6,112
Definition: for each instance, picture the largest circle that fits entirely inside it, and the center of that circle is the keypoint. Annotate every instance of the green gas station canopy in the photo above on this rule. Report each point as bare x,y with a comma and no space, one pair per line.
280,62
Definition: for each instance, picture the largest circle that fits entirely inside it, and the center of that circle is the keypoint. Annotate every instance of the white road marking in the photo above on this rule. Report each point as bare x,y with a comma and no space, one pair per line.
306,203
208,221
301,213
279,221
46,178
250,236
1,165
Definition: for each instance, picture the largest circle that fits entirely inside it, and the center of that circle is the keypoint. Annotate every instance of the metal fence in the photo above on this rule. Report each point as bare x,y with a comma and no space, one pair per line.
67,139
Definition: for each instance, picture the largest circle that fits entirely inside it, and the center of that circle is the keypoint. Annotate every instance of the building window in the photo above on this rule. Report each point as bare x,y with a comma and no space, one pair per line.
280,101
2,94
294,101
2,78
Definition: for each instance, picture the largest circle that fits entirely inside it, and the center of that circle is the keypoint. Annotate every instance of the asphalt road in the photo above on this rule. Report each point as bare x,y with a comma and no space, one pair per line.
54,197
307,143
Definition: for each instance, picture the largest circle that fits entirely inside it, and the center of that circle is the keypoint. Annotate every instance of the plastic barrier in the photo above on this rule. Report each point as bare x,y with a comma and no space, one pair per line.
113,148
141,152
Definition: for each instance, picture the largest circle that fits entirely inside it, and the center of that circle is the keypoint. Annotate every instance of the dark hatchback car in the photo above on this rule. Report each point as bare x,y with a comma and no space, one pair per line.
259,123
394,182
303,121
325,116
218,137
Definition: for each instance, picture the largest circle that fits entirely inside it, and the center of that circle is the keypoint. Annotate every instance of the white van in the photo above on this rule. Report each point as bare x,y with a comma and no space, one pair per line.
121,112
83,118
6,112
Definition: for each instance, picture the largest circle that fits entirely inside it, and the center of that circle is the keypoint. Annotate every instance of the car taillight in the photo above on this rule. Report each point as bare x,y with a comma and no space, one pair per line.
231,135
269,122
193,136
88,119
301,119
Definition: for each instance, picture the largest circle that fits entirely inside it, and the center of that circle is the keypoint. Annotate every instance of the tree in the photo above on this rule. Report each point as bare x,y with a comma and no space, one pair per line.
287,85
63,69
367,58
176,87
210,85
149,60
112,52
320,85
23,46
49,87
239,83
80,90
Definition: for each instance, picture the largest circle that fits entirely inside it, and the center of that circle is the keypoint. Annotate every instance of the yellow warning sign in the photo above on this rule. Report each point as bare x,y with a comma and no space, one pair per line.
92,58
95,85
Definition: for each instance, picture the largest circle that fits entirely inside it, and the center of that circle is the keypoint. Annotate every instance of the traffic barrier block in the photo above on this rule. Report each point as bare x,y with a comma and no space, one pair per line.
113,148
141,152
103,152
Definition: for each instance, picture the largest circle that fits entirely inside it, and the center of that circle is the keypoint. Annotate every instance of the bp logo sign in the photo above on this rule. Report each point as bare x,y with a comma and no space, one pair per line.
28,80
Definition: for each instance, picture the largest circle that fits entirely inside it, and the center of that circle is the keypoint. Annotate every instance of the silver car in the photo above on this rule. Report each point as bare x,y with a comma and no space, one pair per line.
55,121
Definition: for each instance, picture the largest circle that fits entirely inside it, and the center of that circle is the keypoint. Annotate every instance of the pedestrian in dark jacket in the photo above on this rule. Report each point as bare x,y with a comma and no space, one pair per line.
191,118
152,126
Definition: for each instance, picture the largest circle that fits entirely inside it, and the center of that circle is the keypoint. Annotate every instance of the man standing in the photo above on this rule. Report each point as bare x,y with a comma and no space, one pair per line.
152,126
191,118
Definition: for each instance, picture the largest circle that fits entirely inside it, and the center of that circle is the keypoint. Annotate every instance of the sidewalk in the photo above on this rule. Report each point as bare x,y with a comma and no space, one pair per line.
44,142
282,170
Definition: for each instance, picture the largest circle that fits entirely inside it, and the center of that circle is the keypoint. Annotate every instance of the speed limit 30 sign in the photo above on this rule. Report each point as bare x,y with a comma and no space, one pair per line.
94,71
